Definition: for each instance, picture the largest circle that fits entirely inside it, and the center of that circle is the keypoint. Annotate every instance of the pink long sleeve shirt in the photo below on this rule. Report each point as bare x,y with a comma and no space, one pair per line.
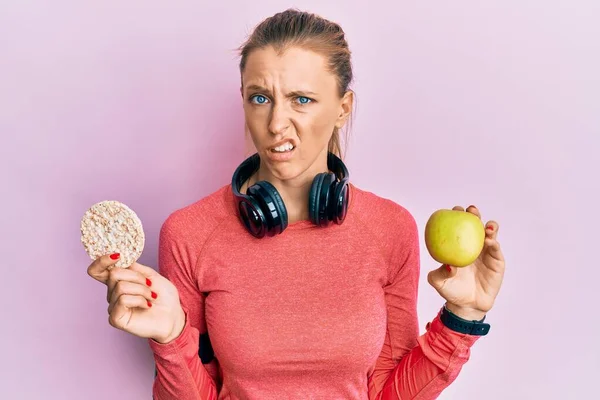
313,313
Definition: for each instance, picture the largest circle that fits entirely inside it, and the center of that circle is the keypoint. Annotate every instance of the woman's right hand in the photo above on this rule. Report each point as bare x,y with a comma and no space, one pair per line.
140,300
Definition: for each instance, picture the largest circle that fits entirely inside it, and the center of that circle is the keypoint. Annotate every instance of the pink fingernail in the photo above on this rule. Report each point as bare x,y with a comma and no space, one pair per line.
448,267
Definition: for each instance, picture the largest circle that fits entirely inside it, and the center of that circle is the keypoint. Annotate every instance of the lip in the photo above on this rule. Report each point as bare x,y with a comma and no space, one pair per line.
282,142
275,156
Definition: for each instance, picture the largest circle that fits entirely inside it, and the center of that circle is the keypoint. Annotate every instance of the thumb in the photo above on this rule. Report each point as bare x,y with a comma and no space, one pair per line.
142,269
438,276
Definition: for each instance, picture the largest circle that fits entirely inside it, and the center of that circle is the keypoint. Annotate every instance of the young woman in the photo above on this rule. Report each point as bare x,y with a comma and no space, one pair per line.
291,282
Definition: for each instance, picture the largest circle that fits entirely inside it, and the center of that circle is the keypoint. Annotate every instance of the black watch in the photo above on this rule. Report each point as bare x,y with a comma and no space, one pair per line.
458,324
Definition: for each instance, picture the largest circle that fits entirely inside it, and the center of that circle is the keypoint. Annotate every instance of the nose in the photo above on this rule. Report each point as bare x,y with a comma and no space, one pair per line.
279,120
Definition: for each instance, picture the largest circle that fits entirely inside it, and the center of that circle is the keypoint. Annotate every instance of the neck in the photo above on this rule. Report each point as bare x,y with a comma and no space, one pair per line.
294,192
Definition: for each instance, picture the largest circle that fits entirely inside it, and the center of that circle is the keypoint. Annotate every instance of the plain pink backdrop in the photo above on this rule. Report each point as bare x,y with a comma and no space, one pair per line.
489,103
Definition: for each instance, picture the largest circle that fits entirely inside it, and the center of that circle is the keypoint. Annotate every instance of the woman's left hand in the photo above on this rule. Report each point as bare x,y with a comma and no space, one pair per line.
470,291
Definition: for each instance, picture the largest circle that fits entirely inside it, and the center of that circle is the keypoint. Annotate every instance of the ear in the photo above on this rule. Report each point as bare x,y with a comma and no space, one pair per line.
345,109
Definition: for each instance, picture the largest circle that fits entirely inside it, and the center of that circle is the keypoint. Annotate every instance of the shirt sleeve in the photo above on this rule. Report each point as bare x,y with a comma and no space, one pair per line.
412,366
180,373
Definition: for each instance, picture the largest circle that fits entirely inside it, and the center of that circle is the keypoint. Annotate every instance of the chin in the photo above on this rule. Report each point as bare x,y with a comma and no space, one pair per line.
285,171
286,167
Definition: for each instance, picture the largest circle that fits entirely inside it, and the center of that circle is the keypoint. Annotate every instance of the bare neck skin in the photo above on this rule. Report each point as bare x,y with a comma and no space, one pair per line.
294,192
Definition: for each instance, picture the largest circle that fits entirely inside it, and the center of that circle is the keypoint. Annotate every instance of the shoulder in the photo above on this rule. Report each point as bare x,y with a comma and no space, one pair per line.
379,211
197,220
393,227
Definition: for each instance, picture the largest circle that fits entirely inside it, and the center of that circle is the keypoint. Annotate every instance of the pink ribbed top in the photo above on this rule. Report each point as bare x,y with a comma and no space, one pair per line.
313,313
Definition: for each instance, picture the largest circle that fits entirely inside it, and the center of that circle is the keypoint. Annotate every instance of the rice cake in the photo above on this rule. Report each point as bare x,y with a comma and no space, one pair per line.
112,227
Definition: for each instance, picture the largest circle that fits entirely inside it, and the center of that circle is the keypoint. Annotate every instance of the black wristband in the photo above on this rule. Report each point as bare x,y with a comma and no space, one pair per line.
461,325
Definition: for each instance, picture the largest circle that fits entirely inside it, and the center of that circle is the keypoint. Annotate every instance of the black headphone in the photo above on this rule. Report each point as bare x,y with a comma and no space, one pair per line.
263,212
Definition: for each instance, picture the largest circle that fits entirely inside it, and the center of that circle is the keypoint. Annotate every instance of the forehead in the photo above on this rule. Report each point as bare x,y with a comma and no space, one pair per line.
292,67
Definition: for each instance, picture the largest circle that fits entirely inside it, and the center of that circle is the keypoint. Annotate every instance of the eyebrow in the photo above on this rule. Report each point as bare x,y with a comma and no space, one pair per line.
293,93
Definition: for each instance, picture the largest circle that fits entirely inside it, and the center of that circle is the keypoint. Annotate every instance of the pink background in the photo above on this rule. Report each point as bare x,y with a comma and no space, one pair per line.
489,103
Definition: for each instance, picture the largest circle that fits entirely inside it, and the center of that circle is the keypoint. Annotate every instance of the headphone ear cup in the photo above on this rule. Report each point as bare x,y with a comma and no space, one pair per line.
253,217
331,201
272,206
324,199
313,198
339,202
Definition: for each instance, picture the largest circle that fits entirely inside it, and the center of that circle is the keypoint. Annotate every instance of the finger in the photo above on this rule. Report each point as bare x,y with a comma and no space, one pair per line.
473,210
119,316
124,274
491,229
99,268
458,208
493,248
126,302
125,288
438,276
143,269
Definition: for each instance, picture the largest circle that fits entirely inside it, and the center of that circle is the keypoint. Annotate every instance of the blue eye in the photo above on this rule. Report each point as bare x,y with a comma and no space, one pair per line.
304,100
258,99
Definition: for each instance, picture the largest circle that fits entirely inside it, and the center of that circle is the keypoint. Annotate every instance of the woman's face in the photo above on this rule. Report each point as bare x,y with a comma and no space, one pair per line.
292,100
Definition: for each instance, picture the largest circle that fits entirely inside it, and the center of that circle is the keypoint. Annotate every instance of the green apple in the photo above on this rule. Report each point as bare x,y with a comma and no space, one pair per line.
454,237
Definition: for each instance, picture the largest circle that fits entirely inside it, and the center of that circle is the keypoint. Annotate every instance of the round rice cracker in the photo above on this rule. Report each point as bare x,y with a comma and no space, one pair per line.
111,227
